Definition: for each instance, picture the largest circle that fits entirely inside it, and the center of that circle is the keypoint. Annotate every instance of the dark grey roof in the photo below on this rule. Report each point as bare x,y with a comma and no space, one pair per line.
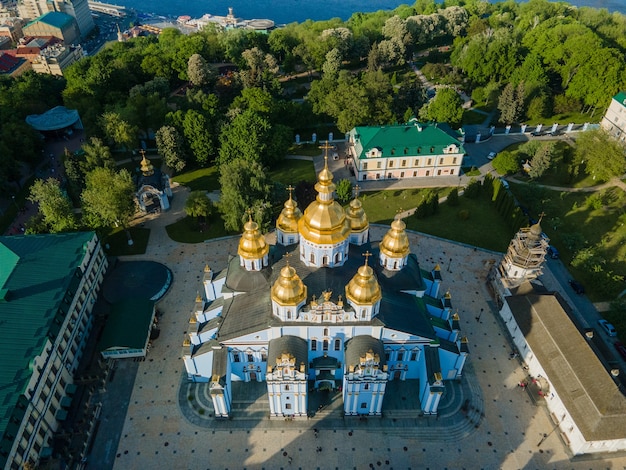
431,357
293,345
155,180
586,388
405,312
220,362
448,345
251,311
240,280
359,345
325,362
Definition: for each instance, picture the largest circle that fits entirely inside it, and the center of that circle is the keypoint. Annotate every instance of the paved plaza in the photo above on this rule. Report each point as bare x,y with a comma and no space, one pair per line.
152,418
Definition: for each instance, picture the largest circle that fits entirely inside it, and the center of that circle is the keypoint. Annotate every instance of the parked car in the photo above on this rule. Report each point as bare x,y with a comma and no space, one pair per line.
553,252
621,349
491,155
504,183
577,286
606,326
536,134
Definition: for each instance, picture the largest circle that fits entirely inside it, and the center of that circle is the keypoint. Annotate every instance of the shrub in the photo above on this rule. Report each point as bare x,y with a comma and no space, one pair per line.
473,189
453,197
463,214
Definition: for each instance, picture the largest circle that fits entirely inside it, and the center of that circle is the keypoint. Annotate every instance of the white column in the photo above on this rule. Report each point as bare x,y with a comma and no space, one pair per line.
271,400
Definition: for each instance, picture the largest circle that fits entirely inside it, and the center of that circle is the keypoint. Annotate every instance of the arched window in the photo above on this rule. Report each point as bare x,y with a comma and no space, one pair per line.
325,331
312,258
363,313
288,314
325,345
337,344
313,345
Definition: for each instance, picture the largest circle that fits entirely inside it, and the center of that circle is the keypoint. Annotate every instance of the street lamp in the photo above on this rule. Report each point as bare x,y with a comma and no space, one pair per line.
15,202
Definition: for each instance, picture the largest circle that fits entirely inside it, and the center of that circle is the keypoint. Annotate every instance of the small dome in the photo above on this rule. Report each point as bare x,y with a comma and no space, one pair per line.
356,215
147,169
252,244
288,288
395,243
363,288
288,219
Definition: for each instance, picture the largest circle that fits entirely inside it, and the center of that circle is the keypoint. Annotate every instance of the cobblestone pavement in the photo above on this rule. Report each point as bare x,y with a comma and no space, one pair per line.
162,428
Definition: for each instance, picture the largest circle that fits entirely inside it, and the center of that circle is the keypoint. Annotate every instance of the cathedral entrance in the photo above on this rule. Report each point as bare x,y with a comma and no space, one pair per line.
325,368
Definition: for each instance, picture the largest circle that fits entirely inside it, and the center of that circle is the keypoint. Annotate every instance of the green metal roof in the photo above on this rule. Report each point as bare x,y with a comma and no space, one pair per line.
621,98
407,139
128,325
35,273
55,19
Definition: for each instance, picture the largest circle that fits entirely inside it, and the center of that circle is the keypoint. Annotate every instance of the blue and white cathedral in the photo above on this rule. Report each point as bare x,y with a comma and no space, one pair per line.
324,309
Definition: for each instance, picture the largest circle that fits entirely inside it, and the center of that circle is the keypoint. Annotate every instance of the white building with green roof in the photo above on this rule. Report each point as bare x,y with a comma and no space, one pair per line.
412,150
614,120
48,287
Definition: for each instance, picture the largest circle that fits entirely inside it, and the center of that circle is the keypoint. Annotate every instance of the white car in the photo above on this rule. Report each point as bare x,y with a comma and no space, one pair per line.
491,155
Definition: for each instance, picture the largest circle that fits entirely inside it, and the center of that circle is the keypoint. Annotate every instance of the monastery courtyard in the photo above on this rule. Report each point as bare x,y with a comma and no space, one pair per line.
152,418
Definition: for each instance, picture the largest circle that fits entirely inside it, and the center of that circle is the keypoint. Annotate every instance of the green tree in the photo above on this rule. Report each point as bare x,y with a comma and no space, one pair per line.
109,198
453,198
446,106
541,161
506,163
96,155
196,130
244,185
603,156
344,190
511,103
198,205
54,205
119,131
252,137
170,145
198,70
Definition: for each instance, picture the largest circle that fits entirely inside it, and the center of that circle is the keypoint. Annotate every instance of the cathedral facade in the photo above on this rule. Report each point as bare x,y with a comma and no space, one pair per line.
324,309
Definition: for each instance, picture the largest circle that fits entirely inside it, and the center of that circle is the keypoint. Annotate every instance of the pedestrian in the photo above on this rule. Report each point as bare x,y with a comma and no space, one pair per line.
289,460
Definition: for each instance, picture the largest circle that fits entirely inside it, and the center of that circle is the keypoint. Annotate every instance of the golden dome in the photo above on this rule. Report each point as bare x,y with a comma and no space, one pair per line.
363,288
252,244
147,169
288,219
357,216
395,243
288,288
535,229
324,221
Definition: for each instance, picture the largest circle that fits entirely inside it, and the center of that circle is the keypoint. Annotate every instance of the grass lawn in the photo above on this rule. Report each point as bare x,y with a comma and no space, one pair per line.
580,221
310,150
472,117
482,213
206,179
118,241
382,206
294,171
186,230
470,171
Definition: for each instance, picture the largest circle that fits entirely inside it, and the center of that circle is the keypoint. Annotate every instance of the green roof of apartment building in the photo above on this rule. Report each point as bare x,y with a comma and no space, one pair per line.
621,98
55,19
411,139
35,273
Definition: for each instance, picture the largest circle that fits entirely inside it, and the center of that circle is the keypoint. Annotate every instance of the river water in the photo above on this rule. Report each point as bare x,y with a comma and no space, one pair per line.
287,11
